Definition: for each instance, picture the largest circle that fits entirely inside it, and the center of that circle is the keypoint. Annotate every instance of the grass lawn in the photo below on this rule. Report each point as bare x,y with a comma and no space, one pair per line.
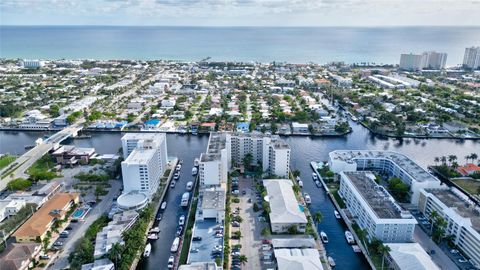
471,186
6,160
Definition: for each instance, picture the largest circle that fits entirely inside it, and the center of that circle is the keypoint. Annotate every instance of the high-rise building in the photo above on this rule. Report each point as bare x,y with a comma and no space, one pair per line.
412,62
471,59
213,166
269,151
145,161
434,60
32,64
426,60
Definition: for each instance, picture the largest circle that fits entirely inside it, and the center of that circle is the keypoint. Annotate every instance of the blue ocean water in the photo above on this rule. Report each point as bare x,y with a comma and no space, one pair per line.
262,44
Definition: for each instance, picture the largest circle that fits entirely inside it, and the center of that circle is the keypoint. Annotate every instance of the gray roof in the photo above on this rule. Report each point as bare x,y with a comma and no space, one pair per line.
283,203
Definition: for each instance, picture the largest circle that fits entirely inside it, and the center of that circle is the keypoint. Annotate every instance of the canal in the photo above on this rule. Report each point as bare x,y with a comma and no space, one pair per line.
304,150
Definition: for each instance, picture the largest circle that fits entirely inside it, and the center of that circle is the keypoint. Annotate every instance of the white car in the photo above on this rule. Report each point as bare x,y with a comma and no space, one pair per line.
171,261
181,220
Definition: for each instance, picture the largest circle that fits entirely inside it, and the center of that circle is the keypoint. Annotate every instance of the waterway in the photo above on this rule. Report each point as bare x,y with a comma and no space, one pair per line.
304,150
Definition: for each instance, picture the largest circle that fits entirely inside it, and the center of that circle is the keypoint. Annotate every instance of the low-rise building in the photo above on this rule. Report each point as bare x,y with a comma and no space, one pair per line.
72,155
286,212
212,204
10,207
389,163
102,264
461,215
298,259
37,226
299,128
409,256
18,256
200,266
374,210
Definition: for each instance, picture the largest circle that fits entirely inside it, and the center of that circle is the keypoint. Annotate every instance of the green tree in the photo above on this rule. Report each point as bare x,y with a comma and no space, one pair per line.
383,249
398,189
317,217
243,259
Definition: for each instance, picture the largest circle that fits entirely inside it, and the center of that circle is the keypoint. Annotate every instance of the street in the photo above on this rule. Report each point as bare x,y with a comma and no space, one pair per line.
440,258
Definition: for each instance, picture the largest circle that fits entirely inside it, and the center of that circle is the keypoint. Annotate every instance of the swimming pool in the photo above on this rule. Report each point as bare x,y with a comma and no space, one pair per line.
301,207
80,213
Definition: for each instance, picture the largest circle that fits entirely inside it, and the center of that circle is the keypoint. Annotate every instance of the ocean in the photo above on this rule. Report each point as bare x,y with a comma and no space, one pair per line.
260,44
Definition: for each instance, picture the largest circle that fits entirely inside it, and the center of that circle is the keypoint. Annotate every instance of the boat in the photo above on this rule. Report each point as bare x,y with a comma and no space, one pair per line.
349,237
331,261
196,162
154,230
314,176
163,206
31,146
324,237
356,249
298,179
308,200
318,184
354,119
152,236
300,183
194,171
175,244
148,249
337,214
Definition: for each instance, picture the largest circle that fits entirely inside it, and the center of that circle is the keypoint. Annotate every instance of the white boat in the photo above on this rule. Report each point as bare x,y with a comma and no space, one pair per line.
148,249
298,179
154,230
324,237
194,171
196,162
337,214
178,167
308,200
152,236
356,249
314,176
163,206
300,183
318,184
175,244
354,119
331,261
349,237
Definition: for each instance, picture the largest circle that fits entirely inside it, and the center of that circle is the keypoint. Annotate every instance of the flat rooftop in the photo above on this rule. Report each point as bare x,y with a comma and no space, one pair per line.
142,136
408,165
411,256
283,204
140,156
216,143
459,205
201,251
298,259
379,200
213,199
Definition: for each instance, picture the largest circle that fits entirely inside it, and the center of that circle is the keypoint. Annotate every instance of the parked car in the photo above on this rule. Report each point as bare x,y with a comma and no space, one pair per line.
171,261
181,220
235,224
462,260
44,257
197,238
454,251
68,228
179,231
172,184
244,192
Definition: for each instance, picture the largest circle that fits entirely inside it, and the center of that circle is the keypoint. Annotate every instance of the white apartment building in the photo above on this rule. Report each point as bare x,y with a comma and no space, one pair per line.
10,207
471,59
269,151
32,63
212,203
285,209
426,60
145,163
462,217
390,163
213,166
374,209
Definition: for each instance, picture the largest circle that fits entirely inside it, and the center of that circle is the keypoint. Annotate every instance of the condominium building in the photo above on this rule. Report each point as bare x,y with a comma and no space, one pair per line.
285,209
213,165
426,60
412,62
145,163
471,59
391,163
269,151
460,213
32,63
374,209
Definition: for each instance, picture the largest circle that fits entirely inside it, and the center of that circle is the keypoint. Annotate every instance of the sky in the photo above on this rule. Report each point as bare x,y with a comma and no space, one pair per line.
241,12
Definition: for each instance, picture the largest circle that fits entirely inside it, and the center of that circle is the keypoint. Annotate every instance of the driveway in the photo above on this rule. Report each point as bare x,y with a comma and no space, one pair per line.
440,258
101,208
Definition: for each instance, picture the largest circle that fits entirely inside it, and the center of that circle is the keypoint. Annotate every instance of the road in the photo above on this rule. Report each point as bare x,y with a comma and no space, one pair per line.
30,157
440,258
101,208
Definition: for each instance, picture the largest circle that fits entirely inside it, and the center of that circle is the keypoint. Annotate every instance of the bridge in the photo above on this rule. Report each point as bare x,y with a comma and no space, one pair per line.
21,164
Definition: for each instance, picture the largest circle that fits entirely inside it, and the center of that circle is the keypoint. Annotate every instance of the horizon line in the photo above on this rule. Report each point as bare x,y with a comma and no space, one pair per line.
234,26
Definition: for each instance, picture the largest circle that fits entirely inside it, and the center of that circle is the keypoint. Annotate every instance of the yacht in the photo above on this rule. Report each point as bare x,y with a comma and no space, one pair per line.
349,237
356,249
194,171
152,236
148,249
331,261
318,184
324,237
337,214
308,200
298,179
314,176
300,183
196,162
175,244
154,230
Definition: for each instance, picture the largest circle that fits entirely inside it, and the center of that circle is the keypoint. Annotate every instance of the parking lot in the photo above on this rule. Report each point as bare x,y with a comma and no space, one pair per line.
251,226
443,255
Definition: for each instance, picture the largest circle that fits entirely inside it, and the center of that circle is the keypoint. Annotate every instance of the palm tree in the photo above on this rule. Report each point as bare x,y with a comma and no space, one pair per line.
243,259
467,157
444,160
452,158
362,234
433,218
115,254
474,157
317,217
436,159
383,249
